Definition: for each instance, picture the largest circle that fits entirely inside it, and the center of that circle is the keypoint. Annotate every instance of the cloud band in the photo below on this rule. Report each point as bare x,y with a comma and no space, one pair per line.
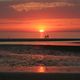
39,5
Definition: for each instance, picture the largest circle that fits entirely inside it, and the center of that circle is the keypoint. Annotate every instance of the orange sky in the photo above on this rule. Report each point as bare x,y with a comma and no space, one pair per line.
24,16
37,24
33,15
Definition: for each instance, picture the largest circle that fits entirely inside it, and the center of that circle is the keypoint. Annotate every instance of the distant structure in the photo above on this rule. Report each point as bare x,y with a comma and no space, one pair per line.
47,36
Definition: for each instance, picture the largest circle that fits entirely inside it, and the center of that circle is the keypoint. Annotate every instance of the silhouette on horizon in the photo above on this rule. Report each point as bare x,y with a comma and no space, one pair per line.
47,36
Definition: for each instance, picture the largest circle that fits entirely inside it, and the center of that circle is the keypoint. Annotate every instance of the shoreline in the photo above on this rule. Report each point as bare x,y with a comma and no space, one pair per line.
76,42
40,39
43,43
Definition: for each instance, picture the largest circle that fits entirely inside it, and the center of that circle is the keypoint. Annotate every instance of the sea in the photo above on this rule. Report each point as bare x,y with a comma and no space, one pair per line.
52,34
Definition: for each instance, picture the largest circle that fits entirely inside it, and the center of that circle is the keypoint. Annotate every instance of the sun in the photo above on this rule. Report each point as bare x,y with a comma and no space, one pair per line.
41,30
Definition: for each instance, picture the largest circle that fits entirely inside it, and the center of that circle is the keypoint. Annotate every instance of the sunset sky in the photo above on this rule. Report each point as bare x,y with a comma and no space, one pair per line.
34,15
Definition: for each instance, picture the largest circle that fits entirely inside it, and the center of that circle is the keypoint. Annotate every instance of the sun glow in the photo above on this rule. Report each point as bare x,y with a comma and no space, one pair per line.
41,30
41,33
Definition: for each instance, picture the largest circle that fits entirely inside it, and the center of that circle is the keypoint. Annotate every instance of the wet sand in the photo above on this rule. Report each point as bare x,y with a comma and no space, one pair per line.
41,69
40,72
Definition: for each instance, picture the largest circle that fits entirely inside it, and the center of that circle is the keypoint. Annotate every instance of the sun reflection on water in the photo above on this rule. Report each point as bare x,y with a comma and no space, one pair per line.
41,69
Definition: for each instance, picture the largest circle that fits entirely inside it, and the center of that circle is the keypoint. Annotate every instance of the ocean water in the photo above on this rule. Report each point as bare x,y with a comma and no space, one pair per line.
7,34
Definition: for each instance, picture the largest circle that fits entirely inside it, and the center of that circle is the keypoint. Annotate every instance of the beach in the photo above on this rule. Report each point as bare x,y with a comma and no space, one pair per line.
18,58
39,62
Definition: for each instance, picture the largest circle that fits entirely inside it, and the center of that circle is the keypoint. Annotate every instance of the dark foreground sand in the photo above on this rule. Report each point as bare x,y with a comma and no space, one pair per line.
39,76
